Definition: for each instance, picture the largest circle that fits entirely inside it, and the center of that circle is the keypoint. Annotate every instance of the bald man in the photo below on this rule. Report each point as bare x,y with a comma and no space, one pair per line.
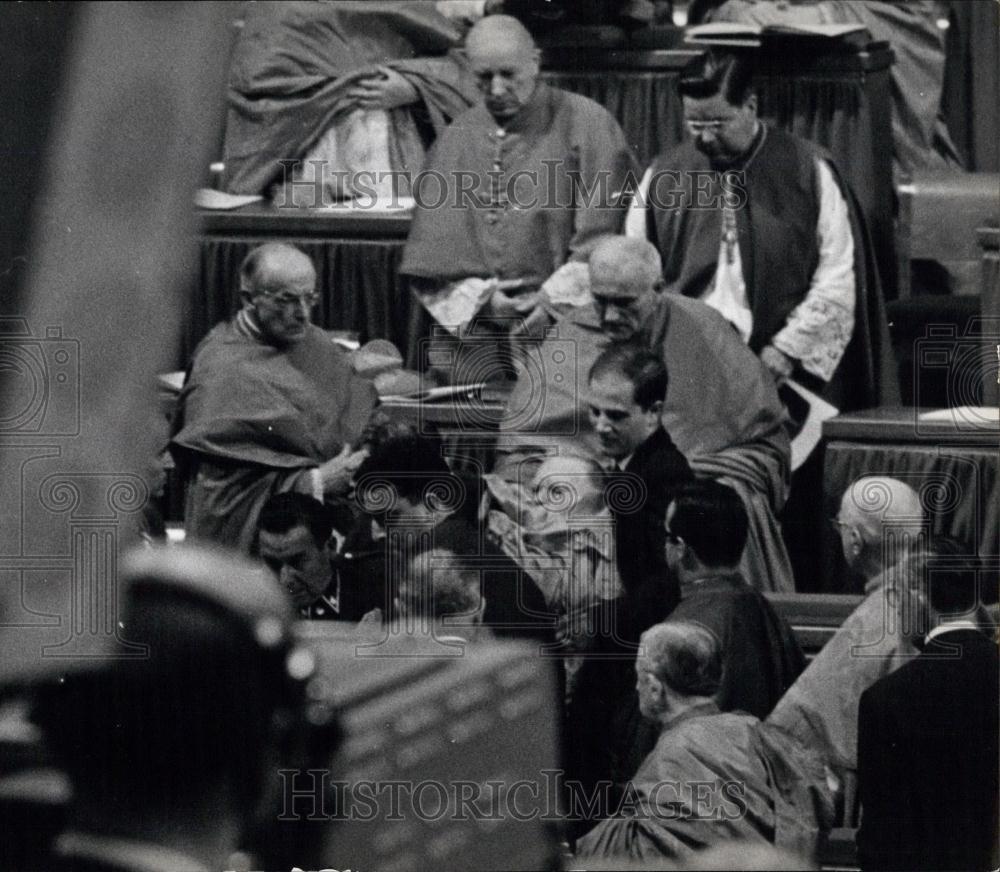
721,408
882,527
270,405
514,187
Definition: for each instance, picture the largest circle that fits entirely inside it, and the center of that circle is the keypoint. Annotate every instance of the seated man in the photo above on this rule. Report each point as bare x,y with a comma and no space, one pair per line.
560,532
881,524
270,404
706,528
440,596
507,208
362,92
705,533
773,245
721,408
294,541
712,776
420,505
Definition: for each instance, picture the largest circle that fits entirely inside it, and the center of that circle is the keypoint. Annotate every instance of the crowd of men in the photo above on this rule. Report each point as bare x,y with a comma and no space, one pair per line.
627,529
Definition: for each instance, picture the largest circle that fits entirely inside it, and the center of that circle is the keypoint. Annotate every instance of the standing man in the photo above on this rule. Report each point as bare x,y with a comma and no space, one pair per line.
721,408
513,188
270,404
758,224
928,734
625,392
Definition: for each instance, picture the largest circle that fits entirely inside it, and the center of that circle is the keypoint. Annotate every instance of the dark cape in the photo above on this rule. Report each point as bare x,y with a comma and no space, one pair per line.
760,655
776,229
294,63
251,421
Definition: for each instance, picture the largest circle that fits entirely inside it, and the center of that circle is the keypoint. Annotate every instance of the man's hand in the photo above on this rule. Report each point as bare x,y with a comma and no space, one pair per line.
337,473
387,90
780,365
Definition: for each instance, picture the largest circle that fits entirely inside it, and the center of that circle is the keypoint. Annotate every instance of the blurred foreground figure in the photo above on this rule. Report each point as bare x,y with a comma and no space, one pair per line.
362,89
270,404
173,757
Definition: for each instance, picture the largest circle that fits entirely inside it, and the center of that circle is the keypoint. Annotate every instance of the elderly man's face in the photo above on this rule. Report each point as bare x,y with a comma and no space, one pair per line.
848,524
283,299
620,306
721,130
300,564
506,75
648,687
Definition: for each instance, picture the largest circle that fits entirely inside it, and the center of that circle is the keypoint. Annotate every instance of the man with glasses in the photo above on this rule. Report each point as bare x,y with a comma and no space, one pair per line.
759,224
504,204
270,405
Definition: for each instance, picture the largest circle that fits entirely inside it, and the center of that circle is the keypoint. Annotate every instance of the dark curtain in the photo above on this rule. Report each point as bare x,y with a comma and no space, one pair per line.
972,82
646,105
358,281
959,484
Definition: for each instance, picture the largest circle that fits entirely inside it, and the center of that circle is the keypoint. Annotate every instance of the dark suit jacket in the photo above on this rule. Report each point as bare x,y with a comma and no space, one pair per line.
639,535
927,760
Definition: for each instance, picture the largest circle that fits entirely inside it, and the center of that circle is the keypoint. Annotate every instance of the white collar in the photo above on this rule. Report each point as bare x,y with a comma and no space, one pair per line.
948,627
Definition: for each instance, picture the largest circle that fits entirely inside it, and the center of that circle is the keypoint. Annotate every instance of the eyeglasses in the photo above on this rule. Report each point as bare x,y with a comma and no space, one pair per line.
287,301
837,524
713,126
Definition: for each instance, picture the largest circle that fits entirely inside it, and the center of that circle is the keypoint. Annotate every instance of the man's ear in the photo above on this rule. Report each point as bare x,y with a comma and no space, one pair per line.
750,104
655,409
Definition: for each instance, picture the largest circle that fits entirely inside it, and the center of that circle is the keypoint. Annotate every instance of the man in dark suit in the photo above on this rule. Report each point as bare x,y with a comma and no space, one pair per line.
295,542
928,733
626,387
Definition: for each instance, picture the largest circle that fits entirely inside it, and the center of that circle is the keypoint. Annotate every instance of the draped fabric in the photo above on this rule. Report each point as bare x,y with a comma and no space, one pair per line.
783,800
356,280
721,411
294,63
251,418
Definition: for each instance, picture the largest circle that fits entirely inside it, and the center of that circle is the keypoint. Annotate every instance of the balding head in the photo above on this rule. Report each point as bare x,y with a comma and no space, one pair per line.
505,62
871,507
570,484
278,283
624,273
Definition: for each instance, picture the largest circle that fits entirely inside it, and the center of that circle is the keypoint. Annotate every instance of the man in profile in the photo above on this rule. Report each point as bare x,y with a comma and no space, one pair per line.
712,776
882,527
270,404
508,207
